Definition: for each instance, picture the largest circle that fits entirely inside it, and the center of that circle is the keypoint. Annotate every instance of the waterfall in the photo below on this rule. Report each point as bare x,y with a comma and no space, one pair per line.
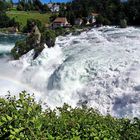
98,68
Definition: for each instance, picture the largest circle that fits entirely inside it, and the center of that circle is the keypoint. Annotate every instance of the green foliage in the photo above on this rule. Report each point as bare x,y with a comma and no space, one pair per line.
18,117
20,7
49,37
53,17
100,20
9,5
123,23
60,31
28,26
24,46
112,11
5,21
20,48
23,118
35,5
2,6
45,8
5,5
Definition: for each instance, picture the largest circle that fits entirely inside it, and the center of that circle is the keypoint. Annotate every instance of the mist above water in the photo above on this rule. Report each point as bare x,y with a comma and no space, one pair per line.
99,68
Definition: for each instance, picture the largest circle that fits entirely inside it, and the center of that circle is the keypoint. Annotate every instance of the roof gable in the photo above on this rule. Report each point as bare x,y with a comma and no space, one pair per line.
60,20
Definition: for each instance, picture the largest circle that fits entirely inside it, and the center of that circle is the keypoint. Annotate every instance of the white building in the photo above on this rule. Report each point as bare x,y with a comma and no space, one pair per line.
53,7
78,21
92,17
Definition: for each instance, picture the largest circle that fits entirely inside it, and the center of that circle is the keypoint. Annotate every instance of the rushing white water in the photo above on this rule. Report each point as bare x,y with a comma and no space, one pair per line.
99,68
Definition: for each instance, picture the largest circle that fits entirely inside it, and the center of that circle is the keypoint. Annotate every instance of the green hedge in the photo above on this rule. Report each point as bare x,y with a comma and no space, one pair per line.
24,119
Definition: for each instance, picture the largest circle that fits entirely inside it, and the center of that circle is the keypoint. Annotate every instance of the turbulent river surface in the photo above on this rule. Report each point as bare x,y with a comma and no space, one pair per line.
99,68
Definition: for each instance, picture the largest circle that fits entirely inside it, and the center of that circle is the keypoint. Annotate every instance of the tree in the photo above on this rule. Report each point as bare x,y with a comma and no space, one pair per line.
100,20
28,5
49,38
123,23
53,17
45,8
3,6
20,7
28,27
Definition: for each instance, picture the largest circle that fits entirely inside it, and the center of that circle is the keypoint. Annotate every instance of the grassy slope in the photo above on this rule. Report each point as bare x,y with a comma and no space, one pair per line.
22,16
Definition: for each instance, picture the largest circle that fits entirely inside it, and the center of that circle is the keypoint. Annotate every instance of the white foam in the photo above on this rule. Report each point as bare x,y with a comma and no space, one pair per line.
99,68
4,48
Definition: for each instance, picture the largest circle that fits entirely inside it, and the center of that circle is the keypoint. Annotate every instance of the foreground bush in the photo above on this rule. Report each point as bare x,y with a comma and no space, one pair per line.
23,118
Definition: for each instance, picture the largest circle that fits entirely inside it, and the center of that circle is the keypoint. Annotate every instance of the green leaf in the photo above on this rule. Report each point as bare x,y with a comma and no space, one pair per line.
10,126
1,123
105,138
12,132
4,119
12,137
8,118
96,138
16,130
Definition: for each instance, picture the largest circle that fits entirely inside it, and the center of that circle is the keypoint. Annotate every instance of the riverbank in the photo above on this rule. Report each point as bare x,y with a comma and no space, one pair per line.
60,31
9,31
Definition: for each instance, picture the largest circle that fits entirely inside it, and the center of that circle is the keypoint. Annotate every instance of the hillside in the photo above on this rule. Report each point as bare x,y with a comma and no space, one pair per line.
22,16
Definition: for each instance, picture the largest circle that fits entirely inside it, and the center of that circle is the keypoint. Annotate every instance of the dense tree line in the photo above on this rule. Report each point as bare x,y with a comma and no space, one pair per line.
5,21
5,5
32,5
111,11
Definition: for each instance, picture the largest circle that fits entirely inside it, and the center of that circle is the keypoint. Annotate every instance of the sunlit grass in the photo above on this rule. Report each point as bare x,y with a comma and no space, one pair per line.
22,16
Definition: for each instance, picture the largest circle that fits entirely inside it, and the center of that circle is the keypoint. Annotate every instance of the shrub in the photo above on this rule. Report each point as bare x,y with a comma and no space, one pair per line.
99,20
3,6
49,37
24,46
28,26
45,8
20,49
23,118
5,21
60,31
123,23
20,7
53,17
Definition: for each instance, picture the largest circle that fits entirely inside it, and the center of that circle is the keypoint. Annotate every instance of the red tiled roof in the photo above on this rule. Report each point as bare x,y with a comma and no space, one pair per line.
60,20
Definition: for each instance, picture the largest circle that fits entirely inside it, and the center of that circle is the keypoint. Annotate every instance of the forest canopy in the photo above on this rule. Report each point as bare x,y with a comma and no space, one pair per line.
111,11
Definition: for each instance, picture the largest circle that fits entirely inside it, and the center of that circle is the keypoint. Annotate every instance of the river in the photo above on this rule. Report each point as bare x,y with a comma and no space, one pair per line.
99,68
